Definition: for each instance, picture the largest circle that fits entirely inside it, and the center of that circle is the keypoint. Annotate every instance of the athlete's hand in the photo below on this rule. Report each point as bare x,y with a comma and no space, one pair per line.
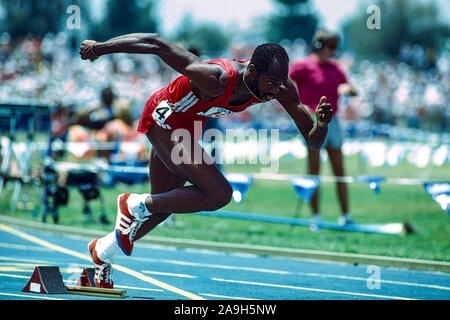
324,112
87,50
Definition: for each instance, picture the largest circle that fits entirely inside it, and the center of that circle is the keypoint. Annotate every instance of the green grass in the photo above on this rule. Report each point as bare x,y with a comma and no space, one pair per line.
395,203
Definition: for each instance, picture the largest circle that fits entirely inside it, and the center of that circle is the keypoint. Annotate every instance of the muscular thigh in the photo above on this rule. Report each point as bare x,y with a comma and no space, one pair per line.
199,169
161,178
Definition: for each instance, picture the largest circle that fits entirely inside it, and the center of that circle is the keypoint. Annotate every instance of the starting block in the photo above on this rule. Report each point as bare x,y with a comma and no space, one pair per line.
87,278
48,279
86,286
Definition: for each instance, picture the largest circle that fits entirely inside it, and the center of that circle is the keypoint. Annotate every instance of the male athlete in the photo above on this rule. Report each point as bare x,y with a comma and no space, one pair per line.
204,90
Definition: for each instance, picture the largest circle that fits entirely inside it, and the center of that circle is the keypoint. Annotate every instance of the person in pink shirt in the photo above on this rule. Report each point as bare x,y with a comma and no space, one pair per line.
319,75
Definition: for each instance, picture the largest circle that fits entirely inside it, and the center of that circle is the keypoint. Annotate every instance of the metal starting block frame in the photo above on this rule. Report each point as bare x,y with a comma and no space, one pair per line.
48,280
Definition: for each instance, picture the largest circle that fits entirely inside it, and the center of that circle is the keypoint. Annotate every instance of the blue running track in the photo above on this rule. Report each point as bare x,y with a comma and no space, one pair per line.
164,273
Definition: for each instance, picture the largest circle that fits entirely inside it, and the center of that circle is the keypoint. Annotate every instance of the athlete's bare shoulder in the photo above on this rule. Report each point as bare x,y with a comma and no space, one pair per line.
215,84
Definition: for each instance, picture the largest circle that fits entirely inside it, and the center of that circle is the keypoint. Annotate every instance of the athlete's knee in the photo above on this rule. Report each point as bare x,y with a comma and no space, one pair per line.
220,197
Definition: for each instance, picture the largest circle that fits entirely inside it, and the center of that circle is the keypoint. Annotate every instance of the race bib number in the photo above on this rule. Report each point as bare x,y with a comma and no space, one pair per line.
162,112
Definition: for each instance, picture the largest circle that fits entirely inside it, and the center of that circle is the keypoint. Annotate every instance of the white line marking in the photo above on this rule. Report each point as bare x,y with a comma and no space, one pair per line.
86,257
207,265
402,283
310,289
307,274
26,260
225,297
180,275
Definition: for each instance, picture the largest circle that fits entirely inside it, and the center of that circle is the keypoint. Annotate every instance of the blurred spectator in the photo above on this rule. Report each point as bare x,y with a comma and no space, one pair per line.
122,130
101,115
400,92
60,123
319,75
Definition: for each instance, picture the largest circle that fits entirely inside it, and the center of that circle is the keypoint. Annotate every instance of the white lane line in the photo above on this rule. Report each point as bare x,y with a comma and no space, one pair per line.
225,297
131,272
310,289
180,275
283,272
26,260
18,264
402,283
207,265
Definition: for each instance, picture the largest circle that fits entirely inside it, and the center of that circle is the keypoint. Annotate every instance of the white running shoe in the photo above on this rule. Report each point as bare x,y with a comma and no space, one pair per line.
103,270
127,223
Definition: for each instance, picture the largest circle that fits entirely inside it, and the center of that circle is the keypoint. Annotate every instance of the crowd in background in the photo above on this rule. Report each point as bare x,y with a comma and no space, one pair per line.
410,91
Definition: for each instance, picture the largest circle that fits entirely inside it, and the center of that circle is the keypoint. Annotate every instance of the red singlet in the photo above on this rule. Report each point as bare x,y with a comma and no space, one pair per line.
176,106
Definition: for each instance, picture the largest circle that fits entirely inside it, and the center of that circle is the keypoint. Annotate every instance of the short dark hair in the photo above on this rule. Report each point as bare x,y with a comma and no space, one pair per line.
263,56
322,37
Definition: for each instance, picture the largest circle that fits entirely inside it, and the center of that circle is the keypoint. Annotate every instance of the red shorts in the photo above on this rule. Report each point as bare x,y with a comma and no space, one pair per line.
157,111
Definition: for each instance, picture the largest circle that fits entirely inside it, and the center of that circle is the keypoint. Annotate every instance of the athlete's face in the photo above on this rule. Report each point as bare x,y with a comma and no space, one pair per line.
267,85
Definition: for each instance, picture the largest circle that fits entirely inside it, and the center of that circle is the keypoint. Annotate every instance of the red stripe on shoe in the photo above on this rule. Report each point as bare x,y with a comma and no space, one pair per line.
93,252
123,204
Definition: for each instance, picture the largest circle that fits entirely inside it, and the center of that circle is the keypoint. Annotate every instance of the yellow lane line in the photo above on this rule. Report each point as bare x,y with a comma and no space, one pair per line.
14,276
29,296
22,247
88,258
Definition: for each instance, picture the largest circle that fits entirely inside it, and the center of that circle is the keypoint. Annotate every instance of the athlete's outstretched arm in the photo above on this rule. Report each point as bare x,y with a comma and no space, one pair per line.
314,133
209,78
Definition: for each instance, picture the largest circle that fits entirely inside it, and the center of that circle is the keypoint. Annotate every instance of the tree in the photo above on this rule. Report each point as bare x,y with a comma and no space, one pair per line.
208,38
126,16
294,20
402,22
32,17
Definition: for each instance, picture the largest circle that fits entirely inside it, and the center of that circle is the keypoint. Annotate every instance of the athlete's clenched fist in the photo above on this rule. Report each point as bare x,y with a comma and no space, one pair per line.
87,50
324,112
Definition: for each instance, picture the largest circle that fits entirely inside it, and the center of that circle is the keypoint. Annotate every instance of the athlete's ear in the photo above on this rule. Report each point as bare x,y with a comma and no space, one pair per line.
252,71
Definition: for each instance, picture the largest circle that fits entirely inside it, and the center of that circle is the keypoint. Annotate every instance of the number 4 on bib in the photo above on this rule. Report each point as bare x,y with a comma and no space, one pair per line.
162,112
